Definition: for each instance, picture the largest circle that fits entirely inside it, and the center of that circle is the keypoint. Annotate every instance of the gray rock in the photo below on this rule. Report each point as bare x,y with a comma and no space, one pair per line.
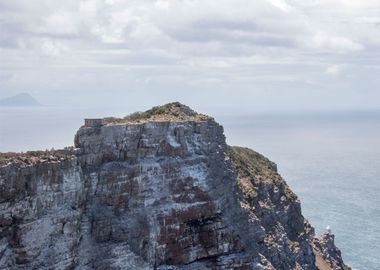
154,195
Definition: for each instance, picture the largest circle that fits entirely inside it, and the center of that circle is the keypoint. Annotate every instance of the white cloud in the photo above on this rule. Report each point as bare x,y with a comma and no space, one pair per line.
281,4
262,43
335,43
335,70
235,27
52,47
61,23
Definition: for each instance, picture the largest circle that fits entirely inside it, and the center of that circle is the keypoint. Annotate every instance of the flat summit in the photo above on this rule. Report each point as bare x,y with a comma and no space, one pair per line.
174,111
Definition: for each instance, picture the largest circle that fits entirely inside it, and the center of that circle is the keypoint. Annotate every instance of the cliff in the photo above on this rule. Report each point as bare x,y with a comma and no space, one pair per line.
155,190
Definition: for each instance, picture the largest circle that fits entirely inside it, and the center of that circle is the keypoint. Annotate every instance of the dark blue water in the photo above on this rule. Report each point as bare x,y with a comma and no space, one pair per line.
331,160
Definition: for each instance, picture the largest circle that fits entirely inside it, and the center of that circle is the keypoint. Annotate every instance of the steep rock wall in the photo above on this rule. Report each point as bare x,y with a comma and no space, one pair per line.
40,208
155,195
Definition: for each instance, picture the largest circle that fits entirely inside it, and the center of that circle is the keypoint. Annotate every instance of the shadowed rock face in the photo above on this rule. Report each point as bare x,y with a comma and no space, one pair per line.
163,193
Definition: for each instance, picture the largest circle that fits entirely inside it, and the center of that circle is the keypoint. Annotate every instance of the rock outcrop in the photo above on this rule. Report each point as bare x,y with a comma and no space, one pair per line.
155,190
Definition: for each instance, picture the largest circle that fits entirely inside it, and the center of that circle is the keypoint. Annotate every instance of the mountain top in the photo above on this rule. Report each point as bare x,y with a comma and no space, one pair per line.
174,111
20,100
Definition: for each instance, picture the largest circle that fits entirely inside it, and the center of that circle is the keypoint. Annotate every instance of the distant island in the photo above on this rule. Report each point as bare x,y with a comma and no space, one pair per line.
19,100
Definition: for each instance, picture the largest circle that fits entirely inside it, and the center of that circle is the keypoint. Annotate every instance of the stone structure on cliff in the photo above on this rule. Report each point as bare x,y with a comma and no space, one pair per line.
155,190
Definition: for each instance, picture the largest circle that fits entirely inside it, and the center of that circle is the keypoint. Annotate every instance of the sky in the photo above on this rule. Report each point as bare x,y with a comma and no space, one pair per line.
249,55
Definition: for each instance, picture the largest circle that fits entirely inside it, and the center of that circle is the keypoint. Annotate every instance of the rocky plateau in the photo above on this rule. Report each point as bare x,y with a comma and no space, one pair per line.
155,190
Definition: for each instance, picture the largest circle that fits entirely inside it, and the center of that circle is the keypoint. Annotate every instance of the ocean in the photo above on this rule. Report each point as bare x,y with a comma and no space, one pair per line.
330,160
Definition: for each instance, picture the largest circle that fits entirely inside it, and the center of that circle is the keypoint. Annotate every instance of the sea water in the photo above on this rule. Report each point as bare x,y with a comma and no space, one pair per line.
330,160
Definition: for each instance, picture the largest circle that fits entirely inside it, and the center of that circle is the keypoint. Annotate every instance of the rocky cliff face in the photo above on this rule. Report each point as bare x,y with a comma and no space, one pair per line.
159,190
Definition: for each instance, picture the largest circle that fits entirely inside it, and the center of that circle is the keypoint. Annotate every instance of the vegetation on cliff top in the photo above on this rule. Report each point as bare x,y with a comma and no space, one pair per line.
33,157
253,168
174,111
248,162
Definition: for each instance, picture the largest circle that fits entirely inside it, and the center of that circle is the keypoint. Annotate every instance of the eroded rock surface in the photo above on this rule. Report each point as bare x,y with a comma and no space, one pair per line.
161,192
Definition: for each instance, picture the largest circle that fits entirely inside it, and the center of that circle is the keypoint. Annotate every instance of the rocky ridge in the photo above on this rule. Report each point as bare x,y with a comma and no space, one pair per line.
155,190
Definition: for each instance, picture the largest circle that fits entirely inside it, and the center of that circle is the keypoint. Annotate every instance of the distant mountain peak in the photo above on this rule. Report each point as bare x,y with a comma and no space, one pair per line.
20,100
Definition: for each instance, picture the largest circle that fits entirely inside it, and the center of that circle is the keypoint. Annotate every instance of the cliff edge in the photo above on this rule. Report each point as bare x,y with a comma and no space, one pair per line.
154,190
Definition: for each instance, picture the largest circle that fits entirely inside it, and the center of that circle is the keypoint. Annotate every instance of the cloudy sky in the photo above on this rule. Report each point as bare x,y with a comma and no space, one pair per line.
236,54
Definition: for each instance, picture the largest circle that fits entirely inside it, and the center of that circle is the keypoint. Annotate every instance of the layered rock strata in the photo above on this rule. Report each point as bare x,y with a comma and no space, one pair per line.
159,190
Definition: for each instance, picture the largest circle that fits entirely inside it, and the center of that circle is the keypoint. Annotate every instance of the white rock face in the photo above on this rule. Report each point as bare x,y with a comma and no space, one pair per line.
40,214
154,195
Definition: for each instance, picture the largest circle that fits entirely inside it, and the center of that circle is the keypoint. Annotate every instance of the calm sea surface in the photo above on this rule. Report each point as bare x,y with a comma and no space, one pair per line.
332,162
